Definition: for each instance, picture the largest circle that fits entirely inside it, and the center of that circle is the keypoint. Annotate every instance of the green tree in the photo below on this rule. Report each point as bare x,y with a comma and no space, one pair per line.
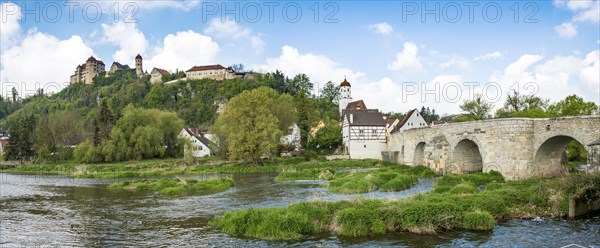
55,134
249,126
331,92
573,105
156,97
478,108
21,141
328,138
520,105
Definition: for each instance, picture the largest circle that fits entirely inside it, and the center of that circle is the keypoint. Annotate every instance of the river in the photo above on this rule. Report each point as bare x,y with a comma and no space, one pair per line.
59,211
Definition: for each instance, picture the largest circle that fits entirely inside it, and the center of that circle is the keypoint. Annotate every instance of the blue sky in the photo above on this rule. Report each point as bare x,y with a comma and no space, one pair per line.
395,53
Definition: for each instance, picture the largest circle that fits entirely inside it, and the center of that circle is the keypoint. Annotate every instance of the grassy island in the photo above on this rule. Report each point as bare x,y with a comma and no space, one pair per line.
391,178
469,202
175,186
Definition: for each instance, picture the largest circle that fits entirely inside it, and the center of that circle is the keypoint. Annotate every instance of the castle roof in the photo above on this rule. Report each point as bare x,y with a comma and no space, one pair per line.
92,59
138,56
345,83
206,67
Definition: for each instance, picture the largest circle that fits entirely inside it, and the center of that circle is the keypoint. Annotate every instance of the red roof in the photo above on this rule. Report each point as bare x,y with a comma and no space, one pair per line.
206,67
161,71
138,56
345,83
91,58
360,104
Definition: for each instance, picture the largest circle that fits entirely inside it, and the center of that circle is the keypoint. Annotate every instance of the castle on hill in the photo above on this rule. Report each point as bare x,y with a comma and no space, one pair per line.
86,72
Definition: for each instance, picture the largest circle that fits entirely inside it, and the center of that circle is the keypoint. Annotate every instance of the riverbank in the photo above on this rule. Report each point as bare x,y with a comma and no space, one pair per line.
170,167
467,202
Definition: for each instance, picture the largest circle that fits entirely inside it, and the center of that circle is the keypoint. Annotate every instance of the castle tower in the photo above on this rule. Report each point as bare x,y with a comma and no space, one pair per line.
90,70
345,96
139,71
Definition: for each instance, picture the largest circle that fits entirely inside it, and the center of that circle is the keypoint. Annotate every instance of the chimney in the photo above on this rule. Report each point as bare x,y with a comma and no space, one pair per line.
351,117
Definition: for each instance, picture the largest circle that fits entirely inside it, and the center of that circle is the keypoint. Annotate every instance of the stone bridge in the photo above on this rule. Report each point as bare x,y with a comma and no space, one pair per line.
519,148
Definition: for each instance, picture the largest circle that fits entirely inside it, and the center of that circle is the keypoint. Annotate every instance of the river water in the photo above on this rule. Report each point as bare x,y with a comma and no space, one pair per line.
59,211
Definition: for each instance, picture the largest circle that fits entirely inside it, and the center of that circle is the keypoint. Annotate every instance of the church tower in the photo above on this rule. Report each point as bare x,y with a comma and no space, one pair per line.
345,96
138,66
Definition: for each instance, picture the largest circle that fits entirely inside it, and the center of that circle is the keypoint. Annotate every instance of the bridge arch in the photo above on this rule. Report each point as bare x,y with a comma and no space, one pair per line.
466,157
419,154
549,158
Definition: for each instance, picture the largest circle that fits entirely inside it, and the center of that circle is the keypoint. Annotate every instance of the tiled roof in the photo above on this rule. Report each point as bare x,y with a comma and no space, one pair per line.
138,56
206,67
404,120
360,104
161,71
364,117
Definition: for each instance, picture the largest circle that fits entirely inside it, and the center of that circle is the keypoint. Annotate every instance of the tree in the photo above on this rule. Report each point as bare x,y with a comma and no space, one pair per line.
249,126
15,94
331,92
327,139
55,134
238,67
103,123
156,97
573,106
20,144
477,108
523,106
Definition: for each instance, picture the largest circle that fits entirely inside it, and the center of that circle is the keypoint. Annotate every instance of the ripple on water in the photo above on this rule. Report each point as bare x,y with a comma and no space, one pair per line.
83,213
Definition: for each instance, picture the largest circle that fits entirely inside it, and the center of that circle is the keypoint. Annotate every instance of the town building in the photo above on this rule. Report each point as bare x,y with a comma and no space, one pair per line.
86,72
216,72
363,133
156,75
363,129
116,66
198,145
412,119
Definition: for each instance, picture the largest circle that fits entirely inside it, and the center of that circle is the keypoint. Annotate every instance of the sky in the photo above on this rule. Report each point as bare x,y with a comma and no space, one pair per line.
397,55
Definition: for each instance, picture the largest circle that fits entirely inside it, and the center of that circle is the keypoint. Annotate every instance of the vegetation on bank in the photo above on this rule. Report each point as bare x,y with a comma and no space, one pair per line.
167,167
469,202
175,186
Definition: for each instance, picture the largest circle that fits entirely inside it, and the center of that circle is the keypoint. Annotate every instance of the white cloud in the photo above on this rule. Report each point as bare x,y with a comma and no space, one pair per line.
184,50
257,43
553,78
226,29
458,61
130,40
381,28
318,68
490,56
566,30
10,15
584,10
590,14
44,59
406,59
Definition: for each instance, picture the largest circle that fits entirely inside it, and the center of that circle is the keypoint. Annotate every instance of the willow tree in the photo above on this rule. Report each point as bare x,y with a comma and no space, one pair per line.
253,123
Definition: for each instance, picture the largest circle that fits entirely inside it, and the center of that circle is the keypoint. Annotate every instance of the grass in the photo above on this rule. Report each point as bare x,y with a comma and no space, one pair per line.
389,178
174,186
170,167
468,202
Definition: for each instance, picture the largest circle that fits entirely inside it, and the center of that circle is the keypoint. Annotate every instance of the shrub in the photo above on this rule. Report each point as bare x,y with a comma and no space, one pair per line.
400,182
464,188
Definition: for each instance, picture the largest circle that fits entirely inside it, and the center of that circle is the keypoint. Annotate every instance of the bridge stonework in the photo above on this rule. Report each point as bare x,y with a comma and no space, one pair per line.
519,148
